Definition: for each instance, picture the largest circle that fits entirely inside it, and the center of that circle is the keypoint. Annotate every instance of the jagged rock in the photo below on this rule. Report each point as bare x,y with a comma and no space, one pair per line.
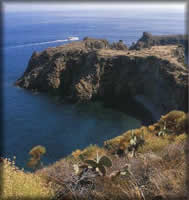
148,40
119,46
90,70
92,43
180,53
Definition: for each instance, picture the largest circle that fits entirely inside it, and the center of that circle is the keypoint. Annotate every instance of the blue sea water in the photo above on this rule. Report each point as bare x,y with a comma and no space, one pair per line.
31,119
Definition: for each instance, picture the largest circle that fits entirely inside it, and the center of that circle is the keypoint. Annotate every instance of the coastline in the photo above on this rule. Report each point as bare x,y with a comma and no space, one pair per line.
94,69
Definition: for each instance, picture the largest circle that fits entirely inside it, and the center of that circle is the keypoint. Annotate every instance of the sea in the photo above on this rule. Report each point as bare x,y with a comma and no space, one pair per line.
32,119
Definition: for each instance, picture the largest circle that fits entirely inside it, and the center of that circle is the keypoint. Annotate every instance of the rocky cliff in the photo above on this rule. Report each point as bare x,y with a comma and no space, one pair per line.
148,40
96,70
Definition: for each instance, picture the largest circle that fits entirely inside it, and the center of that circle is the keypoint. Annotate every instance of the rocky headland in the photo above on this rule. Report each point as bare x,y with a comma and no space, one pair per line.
148,40
94,69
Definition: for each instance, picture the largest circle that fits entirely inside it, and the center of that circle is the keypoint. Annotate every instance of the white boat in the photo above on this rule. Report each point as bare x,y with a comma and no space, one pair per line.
73,38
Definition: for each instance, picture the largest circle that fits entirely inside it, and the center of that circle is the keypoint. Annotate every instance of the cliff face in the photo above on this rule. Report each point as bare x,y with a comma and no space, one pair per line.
94,69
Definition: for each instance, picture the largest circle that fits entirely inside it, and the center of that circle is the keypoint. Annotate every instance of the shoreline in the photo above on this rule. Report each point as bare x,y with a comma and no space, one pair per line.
94,69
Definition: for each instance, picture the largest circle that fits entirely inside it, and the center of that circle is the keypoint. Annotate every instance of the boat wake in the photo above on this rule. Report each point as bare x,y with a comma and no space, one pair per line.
42,43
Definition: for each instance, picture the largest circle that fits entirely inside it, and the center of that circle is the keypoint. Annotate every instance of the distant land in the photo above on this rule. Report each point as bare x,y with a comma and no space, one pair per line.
151,72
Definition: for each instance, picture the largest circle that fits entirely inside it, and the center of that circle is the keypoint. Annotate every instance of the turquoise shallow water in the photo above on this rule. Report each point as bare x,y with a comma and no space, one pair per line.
32,119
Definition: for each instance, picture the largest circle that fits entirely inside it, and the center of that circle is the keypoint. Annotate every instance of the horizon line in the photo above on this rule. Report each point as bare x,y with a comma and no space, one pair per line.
25,6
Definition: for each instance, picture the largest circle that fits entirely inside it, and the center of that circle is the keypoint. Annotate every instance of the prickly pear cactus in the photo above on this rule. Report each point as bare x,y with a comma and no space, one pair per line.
102,169
99,164
133,140
92,163
163,130
104,160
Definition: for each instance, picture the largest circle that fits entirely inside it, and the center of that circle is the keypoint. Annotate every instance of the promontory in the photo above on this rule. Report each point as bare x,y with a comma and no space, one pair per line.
153,75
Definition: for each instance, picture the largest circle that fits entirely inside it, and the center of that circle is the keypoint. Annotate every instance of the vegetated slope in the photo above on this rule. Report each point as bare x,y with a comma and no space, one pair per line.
93,69
157,171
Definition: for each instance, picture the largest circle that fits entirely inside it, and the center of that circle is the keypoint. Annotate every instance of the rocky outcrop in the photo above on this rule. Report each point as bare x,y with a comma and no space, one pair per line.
91,70
148,40
119,46
181,53
91,43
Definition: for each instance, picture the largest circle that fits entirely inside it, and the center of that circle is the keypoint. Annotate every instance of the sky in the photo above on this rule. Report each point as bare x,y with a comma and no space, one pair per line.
23,7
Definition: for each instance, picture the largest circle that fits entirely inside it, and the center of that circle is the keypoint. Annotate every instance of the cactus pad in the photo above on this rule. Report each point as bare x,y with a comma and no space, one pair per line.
92,163
102,169
104,160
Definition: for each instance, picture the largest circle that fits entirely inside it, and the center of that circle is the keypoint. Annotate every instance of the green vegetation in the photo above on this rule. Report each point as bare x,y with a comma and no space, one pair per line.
150,166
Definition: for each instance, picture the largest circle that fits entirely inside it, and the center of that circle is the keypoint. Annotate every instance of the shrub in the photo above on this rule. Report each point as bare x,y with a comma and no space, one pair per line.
90,152
76,153
151,128
36,153
176,121
154,144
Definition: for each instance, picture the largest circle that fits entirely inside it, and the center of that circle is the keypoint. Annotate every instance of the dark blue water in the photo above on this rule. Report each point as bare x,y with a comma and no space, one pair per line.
32,119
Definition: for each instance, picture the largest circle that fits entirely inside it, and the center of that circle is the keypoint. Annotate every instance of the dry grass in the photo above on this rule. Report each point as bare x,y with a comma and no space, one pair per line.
157,171
150,175
163,52
18,185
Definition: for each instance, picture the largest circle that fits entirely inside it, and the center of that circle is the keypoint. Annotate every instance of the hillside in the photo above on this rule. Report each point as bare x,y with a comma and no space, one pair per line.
154,169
